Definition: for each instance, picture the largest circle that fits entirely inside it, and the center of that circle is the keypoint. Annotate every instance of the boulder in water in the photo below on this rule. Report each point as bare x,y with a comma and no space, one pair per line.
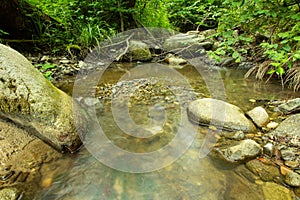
219,113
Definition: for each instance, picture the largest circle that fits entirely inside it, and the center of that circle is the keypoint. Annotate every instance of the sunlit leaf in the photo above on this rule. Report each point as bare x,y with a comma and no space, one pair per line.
280,71
297,38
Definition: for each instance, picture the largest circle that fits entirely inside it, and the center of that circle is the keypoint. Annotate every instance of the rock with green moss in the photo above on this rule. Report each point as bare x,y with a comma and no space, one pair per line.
30,100
138,51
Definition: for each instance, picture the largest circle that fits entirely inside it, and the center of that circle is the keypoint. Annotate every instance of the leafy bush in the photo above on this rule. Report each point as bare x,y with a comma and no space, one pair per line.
272,26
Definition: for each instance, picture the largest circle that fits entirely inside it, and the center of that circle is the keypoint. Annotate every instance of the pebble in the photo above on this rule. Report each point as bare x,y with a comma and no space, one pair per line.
239,135
292,164
46,182
272,125
250,135
284,170
45,58
287,154
292,179
268,149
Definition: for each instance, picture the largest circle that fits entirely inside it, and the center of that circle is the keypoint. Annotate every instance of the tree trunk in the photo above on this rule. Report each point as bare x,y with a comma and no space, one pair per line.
129,21
21,20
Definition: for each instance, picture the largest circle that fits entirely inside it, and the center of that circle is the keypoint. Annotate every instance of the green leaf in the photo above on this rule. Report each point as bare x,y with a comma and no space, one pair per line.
271,71
297,38
296,16
275,64
48,66
297,56
236,55
48,75
286,48
284,41
280,71
283,35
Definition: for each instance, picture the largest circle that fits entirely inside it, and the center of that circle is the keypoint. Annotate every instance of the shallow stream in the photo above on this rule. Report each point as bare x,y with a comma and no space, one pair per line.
83,177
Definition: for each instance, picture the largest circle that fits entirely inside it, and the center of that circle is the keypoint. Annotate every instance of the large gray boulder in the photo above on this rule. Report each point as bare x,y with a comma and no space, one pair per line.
219,113
30,100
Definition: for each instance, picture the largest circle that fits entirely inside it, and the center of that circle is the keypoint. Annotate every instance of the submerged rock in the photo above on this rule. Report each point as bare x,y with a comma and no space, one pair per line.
265,172
259,116
273,191
238,151
30,100
237,135
219,113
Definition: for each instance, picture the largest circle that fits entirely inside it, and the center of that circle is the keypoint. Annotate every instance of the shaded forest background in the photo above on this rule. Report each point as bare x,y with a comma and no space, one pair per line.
264,31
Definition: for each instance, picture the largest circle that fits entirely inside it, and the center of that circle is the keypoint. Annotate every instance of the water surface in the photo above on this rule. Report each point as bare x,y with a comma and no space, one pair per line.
189,177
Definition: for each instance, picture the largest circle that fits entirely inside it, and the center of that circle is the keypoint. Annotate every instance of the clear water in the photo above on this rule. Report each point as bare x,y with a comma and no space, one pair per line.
189,177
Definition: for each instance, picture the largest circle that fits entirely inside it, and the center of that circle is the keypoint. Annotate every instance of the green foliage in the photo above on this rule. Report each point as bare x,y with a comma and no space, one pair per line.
272,25
85,23
2,33
188,15
45,69
152,13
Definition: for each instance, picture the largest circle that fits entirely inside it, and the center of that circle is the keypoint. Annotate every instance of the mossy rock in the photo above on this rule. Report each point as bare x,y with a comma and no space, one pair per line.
30,100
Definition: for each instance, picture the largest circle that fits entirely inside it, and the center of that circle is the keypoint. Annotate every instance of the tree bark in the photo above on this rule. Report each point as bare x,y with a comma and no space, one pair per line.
21,20
128,18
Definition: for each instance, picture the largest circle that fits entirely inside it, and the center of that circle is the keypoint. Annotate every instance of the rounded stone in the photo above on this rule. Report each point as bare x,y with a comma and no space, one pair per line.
259,116
292,179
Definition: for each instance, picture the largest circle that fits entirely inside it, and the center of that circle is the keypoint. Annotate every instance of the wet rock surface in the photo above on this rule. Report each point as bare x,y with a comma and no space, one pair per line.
219,113
273,191
287,138
180,41
267,172
238,151
293,179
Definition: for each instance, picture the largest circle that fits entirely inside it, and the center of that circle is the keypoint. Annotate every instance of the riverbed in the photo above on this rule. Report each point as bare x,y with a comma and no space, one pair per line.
187,176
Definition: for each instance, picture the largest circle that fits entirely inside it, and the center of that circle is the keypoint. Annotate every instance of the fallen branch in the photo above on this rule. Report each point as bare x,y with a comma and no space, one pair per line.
127,47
